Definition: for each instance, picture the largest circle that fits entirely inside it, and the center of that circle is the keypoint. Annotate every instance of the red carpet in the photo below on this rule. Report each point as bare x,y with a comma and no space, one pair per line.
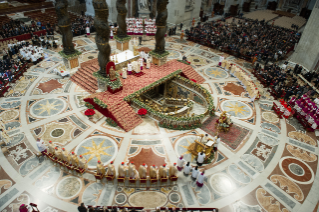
233,138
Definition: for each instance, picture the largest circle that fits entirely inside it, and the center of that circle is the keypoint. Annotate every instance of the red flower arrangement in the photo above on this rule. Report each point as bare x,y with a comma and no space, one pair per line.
193,80
62,71
89,112
142,112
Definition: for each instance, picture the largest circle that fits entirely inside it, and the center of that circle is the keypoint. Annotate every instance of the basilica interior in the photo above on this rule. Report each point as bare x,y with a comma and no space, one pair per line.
153,105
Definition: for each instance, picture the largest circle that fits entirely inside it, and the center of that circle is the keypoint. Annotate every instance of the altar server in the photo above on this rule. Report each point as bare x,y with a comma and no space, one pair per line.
195,173
200,158
180,163
200,179
187,169
142,170
122,170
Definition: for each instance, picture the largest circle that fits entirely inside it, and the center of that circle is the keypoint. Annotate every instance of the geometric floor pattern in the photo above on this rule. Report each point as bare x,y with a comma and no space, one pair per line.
268,164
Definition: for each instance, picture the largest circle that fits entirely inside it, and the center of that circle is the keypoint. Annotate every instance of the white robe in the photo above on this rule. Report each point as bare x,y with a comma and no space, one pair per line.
129,67
33,58
180,162
87,29
124,73
111,33
221,58
148,63
195,173
187,169
201,178
201,158
41,146
217,142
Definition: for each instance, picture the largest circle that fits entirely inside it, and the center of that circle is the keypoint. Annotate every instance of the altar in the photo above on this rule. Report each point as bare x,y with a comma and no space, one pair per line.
198,146
122,59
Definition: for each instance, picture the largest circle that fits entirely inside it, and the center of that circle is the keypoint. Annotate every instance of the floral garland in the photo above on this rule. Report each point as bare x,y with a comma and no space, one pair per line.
183,61
151,86
100,103
113,84
70,56
210,159
163,116
111,122
154,54
127,38
88,105
180,127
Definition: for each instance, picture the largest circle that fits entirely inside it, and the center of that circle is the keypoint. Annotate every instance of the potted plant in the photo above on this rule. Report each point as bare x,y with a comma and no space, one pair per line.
142,112
89,113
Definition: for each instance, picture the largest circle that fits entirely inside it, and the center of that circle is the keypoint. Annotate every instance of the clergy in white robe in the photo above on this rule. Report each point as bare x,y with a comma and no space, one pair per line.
148,63
187,169
111,34
195,173
124,73
221,58
200,179
217,141
41,146
87,31
180,163
200,158
129,68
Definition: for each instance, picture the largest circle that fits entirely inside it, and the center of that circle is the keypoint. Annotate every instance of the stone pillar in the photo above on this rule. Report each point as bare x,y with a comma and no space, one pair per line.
307,50
112,10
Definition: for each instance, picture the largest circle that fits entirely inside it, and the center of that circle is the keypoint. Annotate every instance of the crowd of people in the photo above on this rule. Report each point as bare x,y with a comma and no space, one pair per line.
18,54
83,25
246,38
285,81
17,27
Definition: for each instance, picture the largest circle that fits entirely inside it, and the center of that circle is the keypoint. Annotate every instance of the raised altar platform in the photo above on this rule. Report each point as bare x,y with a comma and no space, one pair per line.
115,105
124,58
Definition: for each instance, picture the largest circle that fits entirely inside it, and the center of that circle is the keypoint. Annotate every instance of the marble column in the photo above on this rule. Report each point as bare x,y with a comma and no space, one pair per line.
307,50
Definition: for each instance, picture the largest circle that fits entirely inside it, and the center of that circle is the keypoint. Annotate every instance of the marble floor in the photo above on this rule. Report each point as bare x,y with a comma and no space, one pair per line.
263,164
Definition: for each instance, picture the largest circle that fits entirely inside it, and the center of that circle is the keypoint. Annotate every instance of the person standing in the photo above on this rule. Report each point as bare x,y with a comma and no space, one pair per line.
200,158
200,179
181,26
216,144
140,40
41,146
195,173
82,208
180,163
187,169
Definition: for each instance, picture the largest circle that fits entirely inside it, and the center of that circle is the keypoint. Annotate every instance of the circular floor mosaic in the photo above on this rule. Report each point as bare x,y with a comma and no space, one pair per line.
97,149
47,107
237,109
217,73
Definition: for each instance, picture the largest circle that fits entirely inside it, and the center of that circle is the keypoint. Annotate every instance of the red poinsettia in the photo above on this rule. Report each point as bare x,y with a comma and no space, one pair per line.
142,111
89,112
193,80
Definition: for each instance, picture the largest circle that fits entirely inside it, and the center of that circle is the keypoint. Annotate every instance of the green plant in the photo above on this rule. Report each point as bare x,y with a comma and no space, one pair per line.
100,103
116,84
154,54
88,105
122,39
210,159
183,61
111,122
70,56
